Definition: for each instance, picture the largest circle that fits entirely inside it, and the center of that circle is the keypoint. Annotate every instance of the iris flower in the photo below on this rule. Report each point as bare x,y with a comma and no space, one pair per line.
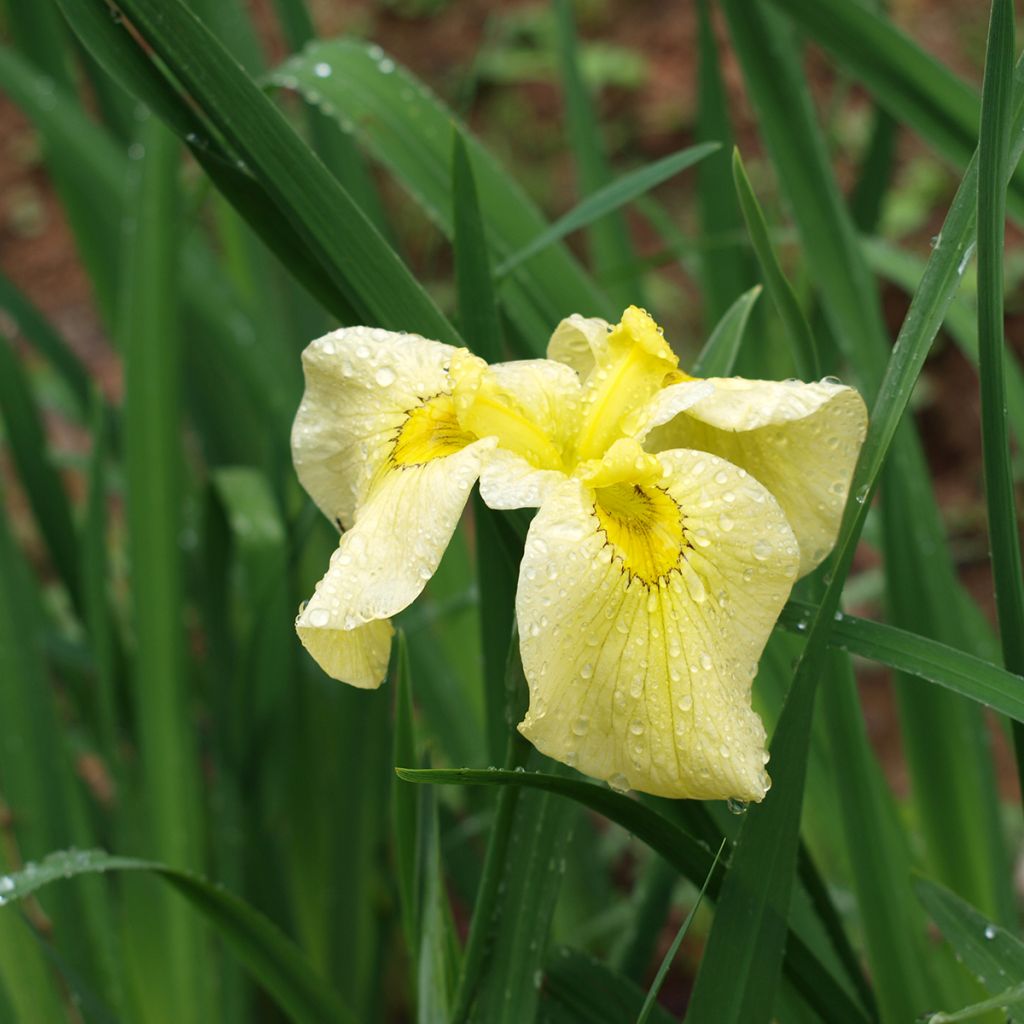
674,516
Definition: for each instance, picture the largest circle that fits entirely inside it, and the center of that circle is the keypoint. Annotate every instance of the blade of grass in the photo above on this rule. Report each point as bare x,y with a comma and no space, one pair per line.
488,895
26,439
509,987
971,677
437,967
992,954
1010,999
778,287
670,955
96,598
690,857
579,988
150,340
999,484
612,196
718,356
39,789
478,312
404,813
37,330
274,961
725,269
608,235
904,269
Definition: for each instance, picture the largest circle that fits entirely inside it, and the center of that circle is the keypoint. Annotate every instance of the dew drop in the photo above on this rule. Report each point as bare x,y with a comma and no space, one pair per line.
385,376
736,806
580,726
319,617
762,550
619,783
990,932
322,70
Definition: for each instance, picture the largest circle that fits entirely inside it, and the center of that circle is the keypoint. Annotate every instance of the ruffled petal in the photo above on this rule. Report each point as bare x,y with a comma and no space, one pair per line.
532,407
361,385
580,342
800,440
382,564
642,612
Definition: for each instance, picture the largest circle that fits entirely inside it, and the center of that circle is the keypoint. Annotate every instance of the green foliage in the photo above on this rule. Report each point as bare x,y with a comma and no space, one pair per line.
154,699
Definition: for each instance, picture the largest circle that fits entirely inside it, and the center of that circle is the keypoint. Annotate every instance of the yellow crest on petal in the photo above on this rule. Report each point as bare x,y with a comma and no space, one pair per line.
431,431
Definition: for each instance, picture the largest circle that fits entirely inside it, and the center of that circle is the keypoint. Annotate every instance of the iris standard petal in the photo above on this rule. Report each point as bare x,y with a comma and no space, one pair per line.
361,384
800,440
643,610
383,563
533,407
580,342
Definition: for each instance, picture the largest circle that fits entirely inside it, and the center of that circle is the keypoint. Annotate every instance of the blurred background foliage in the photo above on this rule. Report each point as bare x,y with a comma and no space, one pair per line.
169,244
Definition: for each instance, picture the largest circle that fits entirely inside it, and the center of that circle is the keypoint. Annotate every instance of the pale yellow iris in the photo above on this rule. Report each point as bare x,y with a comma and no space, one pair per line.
674,516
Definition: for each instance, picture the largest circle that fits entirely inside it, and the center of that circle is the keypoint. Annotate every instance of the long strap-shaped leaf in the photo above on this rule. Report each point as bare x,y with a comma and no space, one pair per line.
360,262
690,858
274,961
996,111
919,656
778,818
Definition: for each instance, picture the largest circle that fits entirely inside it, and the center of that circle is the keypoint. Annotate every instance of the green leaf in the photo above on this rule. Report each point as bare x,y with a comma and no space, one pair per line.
579,988
437,955
358,260
779,289
27,442
1004,533
272,959
610,245
96,597
535,863
670,954
1008,1000
612,196
404,813
725,266
409,131
718,356
992,954
920,656
151,342
691,858
478,311
37,330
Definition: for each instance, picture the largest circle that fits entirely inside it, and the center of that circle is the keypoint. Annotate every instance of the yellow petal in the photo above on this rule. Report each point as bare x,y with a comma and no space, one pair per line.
641,621
361,385
632,371
382,564
357,656
580,342
800,440
533,408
